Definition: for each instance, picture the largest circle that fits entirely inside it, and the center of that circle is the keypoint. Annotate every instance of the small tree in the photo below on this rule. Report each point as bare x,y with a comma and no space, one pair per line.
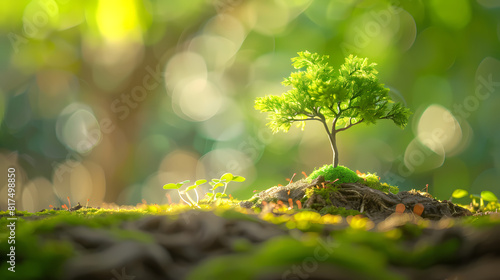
338,99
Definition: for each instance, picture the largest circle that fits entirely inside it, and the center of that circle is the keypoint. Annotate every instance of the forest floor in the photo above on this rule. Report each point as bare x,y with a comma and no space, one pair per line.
346,231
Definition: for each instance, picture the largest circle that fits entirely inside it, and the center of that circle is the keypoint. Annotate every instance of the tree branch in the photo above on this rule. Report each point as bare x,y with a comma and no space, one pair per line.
350,125
301,120
334,124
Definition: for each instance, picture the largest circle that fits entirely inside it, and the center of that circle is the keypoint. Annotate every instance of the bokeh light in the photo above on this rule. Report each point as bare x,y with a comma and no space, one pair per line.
77,128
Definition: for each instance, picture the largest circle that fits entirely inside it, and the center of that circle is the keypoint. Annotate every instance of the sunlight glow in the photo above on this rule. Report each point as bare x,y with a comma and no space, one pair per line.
117,20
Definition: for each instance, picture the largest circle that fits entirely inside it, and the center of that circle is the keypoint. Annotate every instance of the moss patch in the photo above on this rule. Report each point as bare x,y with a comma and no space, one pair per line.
373,181
338,175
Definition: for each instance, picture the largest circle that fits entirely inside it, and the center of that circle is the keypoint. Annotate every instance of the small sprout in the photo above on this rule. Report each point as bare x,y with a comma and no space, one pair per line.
172,186
238,179
303,173
219,195
288,192
87,205
400,208
168,198
488,196
51,206
69,202
418,209
474,202
290,203
64,207
223,182
458,193
227,177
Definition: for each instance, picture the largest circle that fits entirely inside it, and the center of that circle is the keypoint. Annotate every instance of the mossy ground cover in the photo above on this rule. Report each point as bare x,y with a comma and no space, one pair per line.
224,240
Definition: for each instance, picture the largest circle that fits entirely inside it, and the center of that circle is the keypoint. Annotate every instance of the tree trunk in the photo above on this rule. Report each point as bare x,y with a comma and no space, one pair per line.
333,143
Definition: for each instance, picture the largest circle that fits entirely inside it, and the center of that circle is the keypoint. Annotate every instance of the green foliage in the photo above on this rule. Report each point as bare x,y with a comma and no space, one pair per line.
222,182
475,205
350,95
488,196
215,183
177,186
330,173
459,193
344,98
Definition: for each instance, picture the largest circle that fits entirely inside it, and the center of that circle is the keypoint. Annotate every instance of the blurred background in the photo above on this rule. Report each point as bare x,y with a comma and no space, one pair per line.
108,100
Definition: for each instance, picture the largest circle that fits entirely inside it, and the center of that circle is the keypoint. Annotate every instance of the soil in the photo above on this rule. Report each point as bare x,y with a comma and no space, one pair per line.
373,203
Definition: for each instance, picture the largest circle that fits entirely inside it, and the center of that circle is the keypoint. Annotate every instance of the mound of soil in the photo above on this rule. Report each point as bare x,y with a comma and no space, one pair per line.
373,203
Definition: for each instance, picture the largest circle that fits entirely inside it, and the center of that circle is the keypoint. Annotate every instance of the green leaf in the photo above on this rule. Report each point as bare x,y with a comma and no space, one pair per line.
209,194
217,185
459,193
191,187
239,179
488,196
228,177
171,186
218,195
348,95
199,182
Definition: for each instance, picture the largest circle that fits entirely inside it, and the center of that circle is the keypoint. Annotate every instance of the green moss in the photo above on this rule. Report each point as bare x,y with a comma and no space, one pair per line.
323,192
373,181
282,253
333,210
342,173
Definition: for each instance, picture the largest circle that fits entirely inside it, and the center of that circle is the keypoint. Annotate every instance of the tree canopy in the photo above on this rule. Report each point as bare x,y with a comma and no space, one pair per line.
339,98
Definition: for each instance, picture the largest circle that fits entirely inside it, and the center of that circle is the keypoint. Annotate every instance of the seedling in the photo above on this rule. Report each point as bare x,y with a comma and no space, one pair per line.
338,99
185,192
222,182
484,196
458,193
